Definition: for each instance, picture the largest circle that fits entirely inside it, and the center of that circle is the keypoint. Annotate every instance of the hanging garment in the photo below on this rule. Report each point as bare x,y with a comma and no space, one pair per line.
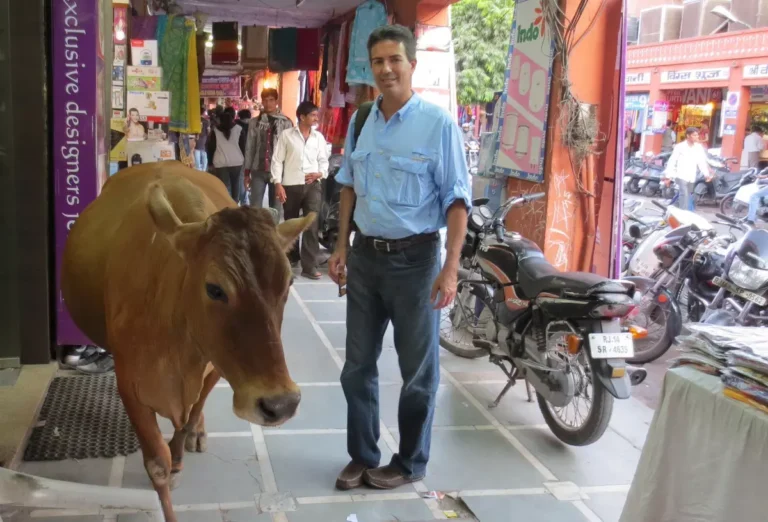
255,46
307,49
368,17
282,49
144,27
324,71
179,73
225,41
337,96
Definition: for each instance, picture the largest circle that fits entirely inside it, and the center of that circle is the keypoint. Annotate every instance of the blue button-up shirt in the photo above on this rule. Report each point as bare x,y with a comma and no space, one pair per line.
407,171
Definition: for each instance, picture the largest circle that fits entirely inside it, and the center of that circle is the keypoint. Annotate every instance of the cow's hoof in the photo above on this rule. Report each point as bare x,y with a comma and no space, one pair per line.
196,442
175,479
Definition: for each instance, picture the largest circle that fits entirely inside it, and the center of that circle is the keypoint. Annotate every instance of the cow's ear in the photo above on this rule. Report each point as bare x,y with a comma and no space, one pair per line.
289,231
182,236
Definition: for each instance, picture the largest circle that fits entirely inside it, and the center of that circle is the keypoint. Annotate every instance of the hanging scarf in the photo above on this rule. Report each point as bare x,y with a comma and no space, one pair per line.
176,44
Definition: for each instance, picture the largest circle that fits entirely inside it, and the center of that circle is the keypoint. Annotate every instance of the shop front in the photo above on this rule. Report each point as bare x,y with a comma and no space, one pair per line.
706,82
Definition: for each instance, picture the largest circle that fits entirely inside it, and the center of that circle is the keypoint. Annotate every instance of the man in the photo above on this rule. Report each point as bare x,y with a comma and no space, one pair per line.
669,138
299,163
201,156
688,157
243,117
753,146
259,148
754,200
407,178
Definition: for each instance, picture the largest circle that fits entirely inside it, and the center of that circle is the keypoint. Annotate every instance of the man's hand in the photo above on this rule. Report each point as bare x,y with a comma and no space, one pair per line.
337,264
247,179
444,287
312,177
280,192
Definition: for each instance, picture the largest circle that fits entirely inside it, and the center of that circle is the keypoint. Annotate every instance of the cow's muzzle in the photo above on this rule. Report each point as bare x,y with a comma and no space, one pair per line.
277,409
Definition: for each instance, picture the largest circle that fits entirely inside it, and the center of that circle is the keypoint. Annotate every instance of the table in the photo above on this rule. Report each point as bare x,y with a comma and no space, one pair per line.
705,458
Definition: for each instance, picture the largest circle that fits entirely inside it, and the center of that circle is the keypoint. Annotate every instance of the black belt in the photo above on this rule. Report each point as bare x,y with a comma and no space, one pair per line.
394,245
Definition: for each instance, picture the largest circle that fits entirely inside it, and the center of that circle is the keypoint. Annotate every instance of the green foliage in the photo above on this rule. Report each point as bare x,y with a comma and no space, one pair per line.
481,31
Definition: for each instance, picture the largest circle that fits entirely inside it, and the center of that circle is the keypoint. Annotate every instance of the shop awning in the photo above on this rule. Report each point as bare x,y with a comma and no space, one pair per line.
281,13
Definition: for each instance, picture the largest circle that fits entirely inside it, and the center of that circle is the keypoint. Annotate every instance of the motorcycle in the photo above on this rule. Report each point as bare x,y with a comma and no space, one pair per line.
636,228
742,297
651,181
736,204
559,331
472,152
722,184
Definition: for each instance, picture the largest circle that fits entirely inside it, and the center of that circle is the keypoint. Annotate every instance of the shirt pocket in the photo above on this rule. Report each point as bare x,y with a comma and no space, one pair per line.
360,162
409,181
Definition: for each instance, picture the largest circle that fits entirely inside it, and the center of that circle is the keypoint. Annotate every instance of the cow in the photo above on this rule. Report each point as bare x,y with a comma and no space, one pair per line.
182,287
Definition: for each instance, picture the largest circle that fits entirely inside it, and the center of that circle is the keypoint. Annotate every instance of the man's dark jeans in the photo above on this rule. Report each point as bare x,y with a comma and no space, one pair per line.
306,198
383,287
260,184
230,176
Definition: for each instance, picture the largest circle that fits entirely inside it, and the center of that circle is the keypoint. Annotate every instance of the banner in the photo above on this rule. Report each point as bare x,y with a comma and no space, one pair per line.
77,64
519,151
220,87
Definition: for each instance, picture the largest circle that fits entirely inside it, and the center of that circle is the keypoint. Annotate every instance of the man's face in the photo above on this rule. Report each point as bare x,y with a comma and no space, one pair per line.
693,137
310,119
269,103
391,68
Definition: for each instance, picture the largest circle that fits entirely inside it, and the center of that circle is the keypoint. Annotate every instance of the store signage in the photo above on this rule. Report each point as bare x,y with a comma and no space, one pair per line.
641,78
752,72
220,87
78,122
696,75
678,97
635,102
519,147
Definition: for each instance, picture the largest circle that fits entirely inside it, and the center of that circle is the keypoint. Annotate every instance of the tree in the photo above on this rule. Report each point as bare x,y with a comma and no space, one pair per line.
481,31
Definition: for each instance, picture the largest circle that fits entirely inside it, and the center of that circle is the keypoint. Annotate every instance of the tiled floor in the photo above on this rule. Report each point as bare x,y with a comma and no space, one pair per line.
503,463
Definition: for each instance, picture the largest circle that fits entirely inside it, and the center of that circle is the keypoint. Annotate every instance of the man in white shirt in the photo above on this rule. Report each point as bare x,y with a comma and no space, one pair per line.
753,146
299,163
688,157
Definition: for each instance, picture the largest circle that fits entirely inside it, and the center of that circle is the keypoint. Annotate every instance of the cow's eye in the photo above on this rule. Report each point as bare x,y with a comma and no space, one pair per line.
216,293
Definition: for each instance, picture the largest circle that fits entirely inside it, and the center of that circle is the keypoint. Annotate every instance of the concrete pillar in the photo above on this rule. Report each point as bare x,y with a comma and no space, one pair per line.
733,145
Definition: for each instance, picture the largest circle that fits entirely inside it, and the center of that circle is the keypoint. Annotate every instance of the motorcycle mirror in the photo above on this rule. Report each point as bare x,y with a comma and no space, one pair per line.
634,231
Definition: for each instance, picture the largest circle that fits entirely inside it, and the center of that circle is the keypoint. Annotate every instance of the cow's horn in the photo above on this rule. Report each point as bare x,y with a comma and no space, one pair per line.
290,230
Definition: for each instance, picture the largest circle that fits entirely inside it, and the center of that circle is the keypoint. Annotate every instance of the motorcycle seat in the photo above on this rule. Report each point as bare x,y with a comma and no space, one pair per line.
537,275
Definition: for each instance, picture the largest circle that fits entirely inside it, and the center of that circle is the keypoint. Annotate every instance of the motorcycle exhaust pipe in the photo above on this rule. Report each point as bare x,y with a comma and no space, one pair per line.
636,375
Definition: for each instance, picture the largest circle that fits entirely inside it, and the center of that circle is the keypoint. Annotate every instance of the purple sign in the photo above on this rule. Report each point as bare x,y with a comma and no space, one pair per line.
76,62
220,86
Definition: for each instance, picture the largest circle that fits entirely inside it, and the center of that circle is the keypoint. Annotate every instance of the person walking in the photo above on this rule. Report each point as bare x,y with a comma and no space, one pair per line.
263,133
299,163
754,145
407,178
201,157
687,159
668,138
227,157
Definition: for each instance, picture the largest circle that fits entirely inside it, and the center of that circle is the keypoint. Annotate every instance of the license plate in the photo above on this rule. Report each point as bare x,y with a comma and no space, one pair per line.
611,345
759,300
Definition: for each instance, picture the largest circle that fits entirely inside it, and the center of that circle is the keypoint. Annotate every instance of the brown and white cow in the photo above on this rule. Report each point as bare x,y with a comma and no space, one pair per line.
182,286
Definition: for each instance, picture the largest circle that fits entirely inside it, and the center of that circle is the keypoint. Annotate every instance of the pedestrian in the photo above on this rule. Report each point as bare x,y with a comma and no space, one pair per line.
687,159
299,163
754,146
243,117
227,157
263,133
668,138
201,157
407,178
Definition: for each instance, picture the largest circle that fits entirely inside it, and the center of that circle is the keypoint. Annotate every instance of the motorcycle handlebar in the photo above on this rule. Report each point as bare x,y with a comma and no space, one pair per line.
499,230
533,197
726,219
660,205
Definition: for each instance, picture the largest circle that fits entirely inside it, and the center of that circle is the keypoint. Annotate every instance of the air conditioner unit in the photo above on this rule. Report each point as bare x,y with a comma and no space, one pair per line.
753,12
633,30
660,24
698,19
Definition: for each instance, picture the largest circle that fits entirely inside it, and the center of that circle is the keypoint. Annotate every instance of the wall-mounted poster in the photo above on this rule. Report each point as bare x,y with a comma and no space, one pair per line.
520,144
151,106
144,78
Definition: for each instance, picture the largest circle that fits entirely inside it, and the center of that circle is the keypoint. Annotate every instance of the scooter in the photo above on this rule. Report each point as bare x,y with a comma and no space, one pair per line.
735,204
724,181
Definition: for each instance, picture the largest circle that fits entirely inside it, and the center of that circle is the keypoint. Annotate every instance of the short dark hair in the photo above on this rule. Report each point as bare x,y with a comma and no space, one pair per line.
757,128
669,123
133,109
244,114
395,33
231,111
305,108
691,130
269,93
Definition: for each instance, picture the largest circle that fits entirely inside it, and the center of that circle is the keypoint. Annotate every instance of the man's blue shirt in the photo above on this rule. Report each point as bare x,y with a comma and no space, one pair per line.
407,171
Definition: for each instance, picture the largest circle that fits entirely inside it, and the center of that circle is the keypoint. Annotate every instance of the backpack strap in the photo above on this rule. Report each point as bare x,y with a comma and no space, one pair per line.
362,116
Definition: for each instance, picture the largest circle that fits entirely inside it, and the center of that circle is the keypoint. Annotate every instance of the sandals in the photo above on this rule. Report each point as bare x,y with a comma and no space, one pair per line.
315,275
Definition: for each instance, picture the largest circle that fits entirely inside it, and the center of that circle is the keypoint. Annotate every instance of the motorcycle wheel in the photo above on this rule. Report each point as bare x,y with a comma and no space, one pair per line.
460,345
660,312
634,186
733,209
649,191
596,420
668,193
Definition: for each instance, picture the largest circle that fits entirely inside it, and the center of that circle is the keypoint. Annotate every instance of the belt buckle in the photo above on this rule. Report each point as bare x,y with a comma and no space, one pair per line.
377,242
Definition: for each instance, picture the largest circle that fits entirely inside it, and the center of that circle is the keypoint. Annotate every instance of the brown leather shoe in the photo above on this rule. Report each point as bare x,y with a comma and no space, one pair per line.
351,476
387,477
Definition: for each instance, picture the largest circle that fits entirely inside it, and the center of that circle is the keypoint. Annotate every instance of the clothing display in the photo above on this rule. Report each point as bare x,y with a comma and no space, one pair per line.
368,16
282,49
255,51
178,56
225,42
144,27
307,49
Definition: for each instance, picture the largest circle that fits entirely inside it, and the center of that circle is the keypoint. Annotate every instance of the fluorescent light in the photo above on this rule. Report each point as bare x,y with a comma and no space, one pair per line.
209,43
299,2
239,47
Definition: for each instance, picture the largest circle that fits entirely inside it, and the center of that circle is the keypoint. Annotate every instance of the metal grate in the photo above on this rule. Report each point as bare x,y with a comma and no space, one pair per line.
82,417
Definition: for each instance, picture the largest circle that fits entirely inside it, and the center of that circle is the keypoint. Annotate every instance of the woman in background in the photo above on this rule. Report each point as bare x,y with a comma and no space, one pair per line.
224,145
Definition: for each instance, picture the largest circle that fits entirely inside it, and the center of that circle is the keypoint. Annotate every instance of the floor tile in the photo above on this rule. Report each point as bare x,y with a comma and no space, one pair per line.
610,461
227,472
307,465
12,516
182,516
530,508
631,419
452,408
607,506
337,334
389,368
245,515
321,407
307,357
319,292
87,471
328,311
373,511
514,408
219,416
477,460
9,376
454,363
